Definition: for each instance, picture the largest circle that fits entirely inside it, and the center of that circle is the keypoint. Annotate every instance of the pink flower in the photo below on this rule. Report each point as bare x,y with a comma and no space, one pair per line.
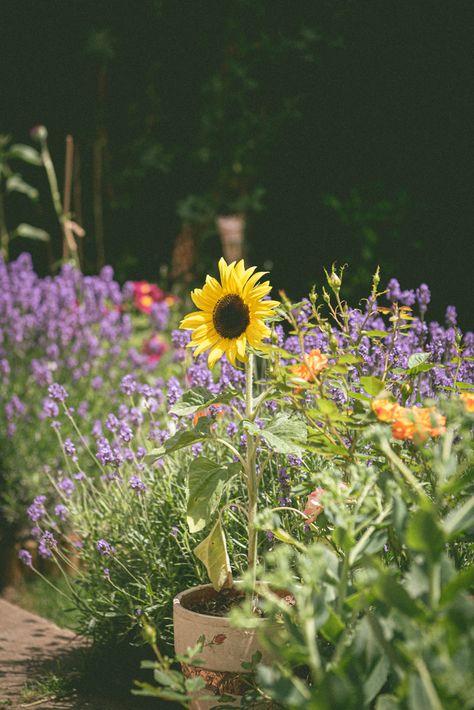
313,505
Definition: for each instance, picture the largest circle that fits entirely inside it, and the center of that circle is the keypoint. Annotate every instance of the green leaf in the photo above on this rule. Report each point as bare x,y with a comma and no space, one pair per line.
192,685
464,385
286,434
376,679
284,536
333,627
359,396
212,552
460,520
199,398
424,534
180,440
372,385
349,359
26,230
417,359
394,595
328,408
424,367
26,153
387,702
16,184
462,582
206,480
376,333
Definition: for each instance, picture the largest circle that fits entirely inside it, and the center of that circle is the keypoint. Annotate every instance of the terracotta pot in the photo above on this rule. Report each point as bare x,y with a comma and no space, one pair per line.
224,649
231,231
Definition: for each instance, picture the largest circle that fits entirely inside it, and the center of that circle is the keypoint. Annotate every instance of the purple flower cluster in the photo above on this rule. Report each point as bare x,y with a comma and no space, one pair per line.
441,343
68,328
104,548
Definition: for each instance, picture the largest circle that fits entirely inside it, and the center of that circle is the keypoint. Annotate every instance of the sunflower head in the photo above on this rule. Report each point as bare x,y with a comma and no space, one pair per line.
232,313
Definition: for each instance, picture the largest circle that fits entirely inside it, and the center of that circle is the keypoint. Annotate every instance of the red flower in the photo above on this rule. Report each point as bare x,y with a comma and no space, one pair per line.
155,347
146,294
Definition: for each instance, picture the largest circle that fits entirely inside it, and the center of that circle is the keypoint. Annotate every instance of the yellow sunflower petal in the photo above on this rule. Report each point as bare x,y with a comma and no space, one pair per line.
194,320
204,345
202,301
241,345
216,353
231,353
251,283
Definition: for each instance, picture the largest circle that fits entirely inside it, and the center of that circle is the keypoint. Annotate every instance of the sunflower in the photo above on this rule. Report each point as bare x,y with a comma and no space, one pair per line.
232,313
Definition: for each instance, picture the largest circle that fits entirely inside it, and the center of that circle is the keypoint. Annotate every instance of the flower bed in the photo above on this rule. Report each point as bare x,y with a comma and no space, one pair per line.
344,460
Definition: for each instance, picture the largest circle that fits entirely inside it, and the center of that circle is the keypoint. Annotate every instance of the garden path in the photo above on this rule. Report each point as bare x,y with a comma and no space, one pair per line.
31,647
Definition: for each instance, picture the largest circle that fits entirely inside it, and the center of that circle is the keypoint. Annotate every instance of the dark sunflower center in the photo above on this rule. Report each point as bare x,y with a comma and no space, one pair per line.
230,316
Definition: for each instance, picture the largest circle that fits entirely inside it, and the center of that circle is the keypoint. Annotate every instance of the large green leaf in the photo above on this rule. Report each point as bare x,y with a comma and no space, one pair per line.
206,480
212,552
285,434
417,359
199,398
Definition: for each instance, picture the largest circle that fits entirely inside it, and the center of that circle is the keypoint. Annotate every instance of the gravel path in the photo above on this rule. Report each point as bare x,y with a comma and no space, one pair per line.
31,647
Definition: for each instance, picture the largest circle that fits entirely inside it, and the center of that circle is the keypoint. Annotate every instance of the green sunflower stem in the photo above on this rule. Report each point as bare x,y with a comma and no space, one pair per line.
251,470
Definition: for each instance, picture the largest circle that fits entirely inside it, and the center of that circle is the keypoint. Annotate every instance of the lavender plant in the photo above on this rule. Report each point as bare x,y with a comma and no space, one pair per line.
70,329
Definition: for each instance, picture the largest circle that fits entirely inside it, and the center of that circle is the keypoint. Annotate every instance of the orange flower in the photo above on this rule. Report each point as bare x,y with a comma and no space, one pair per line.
215,410
467,399
418,423
312,366
385,410
403,428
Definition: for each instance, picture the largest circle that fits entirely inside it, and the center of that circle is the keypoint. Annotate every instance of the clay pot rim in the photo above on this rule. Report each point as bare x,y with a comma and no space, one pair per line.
224,621
184,612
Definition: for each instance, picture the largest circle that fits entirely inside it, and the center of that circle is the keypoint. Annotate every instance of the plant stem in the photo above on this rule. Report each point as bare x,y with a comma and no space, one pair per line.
68,238
4,236
252,483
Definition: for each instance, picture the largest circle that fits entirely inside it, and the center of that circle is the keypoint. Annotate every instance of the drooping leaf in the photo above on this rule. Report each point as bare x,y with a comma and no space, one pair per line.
206,480
25,153
16,184
212,552
27,230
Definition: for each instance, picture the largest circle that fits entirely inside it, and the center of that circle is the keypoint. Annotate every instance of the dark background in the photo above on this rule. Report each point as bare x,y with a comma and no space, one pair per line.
354,117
